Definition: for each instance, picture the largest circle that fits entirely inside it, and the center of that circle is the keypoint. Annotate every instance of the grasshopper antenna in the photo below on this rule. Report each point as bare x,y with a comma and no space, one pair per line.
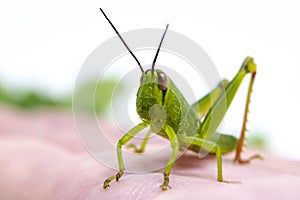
153,64
122,40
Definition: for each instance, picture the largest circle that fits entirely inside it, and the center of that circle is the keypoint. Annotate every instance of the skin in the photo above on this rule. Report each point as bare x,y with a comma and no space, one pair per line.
41,157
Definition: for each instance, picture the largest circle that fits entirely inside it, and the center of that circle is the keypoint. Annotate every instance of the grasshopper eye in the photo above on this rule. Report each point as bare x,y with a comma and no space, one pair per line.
162,80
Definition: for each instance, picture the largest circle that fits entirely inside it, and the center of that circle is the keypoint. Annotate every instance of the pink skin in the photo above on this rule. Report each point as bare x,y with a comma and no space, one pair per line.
41,157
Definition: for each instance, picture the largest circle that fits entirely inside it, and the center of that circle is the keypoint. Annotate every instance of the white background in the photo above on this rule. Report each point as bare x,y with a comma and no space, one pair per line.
44,43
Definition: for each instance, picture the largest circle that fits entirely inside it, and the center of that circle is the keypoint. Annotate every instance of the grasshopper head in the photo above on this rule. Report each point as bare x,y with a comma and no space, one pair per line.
152,90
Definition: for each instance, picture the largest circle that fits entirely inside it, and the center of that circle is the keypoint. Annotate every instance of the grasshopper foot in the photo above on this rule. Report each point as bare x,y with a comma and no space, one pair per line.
135,148
116,177
247,161
165,186
106,182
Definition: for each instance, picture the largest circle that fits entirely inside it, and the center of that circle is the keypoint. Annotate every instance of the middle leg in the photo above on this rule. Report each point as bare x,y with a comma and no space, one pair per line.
209,146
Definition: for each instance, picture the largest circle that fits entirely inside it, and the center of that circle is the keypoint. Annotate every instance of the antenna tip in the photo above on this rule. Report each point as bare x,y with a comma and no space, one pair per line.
101,10
167,26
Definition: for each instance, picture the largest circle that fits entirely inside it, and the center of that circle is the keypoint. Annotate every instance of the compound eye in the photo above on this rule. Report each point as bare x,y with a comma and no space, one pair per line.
162,80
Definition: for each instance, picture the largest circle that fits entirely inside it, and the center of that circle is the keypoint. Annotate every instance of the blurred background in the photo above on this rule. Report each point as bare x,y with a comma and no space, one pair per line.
43,45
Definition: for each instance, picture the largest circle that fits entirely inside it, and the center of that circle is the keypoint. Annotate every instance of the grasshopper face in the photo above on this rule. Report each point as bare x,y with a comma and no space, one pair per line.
152,90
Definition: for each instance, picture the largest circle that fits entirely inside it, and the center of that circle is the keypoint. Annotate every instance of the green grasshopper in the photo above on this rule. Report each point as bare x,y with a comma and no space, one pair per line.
181,123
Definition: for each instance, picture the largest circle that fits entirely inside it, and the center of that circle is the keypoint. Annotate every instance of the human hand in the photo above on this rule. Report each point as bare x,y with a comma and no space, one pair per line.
41,157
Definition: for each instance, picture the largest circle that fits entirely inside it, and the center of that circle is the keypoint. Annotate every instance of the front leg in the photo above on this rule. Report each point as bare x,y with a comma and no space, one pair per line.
175,146
208,146
128,136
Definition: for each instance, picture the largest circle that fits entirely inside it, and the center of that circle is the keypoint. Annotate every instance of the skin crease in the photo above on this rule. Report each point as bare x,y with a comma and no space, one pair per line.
41,157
